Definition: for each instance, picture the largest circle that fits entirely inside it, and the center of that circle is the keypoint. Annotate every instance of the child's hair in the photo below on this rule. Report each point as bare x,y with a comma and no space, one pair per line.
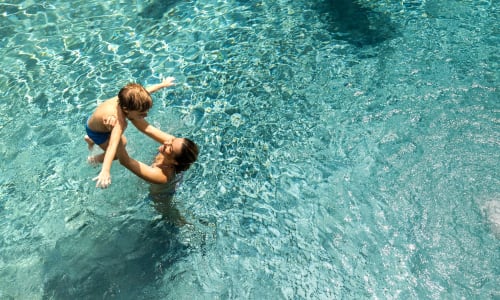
188,156
134,96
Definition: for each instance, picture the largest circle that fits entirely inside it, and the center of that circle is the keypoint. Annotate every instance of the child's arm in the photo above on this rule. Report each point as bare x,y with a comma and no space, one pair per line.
167,82
150,174
151,131
104,177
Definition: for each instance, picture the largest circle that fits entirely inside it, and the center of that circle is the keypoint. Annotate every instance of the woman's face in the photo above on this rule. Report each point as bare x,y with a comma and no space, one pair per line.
172,147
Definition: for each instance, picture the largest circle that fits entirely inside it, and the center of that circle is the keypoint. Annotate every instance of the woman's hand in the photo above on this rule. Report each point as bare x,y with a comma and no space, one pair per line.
109,122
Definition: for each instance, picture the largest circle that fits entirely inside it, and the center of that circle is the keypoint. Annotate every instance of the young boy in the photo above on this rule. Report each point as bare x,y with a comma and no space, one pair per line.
106,125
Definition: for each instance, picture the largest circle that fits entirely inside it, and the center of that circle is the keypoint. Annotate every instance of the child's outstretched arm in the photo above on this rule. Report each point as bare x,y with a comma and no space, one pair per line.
151,131
167,82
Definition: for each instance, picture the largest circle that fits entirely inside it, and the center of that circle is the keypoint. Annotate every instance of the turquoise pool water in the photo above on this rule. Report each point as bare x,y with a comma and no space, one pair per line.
349,150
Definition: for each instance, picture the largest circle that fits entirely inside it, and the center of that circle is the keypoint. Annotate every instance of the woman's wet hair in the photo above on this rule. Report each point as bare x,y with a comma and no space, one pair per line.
134,96
188,155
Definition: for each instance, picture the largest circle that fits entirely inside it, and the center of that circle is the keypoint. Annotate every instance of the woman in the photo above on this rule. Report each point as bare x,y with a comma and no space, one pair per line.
174,157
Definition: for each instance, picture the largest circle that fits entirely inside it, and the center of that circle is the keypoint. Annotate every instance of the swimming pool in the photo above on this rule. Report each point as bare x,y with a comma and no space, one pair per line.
349,149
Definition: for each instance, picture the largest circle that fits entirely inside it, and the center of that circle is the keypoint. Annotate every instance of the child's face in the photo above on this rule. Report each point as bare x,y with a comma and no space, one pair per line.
136,114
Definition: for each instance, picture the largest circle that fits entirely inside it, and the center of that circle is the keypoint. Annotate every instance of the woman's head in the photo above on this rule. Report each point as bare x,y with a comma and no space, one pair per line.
183,150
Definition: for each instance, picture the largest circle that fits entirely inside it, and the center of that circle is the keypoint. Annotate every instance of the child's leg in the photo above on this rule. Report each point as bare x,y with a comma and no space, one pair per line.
123,140
90,142
96,159
99,158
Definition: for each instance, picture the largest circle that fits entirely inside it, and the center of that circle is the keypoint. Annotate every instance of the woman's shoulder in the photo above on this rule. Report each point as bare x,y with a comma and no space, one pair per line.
167,170
167,188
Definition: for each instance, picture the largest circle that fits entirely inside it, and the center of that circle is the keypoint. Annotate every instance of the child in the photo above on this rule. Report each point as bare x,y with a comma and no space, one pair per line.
106,125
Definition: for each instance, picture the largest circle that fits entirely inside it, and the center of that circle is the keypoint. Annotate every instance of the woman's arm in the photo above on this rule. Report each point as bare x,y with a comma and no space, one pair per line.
103,180
150,174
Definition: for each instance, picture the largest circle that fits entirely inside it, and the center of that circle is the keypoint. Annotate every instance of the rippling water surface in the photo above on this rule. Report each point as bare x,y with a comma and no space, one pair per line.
349,150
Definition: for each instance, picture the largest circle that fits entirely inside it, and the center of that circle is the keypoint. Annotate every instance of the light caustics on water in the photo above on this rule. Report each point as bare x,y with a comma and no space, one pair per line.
349,149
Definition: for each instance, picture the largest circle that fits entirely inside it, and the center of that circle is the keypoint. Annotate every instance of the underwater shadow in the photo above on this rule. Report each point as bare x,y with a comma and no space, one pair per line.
103,260
355,23
157,9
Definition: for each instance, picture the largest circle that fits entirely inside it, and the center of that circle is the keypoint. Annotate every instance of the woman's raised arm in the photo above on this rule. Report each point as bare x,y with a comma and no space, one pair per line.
150,174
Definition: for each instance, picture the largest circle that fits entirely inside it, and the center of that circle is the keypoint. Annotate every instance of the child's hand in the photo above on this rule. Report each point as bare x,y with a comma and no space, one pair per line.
109,122
166,82
103,180
169,81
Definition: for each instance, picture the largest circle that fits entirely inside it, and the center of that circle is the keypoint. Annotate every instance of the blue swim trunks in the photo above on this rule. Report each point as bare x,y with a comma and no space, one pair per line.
97,137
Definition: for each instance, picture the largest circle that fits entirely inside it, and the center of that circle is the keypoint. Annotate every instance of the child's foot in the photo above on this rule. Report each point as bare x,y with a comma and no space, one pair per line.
94,160
91,160
90,142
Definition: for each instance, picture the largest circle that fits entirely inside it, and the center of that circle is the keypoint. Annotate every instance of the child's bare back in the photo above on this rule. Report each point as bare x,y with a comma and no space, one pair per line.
100,123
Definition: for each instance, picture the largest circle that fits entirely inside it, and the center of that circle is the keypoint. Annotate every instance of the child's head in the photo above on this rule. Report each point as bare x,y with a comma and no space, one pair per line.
134,96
